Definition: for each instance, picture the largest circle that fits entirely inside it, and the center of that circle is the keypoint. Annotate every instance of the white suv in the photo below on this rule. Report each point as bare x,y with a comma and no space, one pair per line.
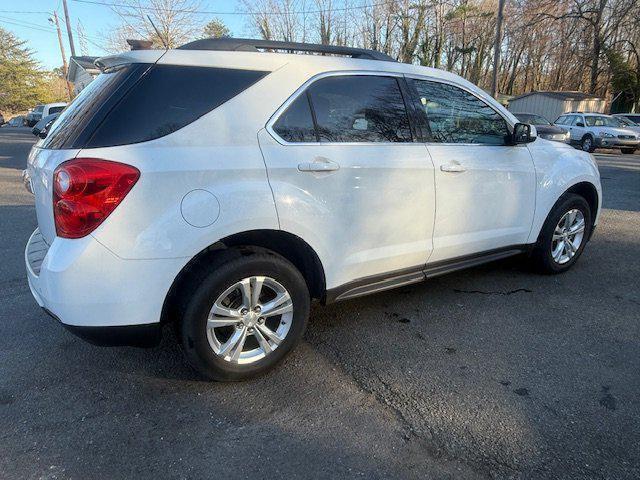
596,130
221,189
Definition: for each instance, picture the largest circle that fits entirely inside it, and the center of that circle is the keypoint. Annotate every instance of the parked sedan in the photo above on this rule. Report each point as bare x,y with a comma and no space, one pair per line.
544,127
627,120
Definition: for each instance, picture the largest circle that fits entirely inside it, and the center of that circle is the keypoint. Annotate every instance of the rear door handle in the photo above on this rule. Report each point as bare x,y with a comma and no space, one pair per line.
320,164
453,167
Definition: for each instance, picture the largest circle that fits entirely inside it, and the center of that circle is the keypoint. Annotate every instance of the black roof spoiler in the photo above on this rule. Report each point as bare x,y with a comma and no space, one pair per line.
249,45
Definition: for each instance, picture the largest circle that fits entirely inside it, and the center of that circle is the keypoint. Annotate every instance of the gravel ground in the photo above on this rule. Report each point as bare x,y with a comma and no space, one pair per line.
492,372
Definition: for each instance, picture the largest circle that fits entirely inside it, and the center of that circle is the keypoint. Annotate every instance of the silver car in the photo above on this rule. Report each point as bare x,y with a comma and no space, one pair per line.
596,130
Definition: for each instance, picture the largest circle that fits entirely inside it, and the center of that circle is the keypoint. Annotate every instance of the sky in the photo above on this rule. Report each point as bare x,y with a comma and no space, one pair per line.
29,20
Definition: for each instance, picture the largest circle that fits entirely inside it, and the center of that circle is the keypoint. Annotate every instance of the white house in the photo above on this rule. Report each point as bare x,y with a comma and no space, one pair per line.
82,71
553,104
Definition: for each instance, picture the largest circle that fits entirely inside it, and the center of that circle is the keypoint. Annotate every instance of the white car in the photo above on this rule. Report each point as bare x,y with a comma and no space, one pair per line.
220,190
41,111
596,130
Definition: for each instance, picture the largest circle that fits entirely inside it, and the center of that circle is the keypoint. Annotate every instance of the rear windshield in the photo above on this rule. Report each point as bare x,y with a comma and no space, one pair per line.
140,103
77,117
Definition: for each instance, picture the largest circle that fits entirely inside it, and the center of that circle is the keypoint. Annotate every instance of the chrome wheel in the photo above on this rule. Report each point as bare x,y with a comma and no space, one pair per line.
567,236
249,320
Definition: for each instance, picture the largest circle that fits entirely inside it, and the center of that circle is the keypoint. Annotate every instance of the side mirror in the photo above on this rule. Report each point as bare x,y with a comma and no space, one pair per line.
579,124
522,133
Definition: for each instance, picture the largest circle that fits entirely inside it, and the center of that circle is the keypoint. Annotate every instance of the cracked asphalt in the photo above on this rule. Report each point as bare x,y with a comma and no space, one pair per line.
493,372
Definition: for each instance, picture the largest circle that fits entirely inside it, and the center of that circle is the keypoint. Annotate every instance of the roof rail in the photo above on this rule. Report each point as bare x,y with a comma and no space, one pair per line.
249,45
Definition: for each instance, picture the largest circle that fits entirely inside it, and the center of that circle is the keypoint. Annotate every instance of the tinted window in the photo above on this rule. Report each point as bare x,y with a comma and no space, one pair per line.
633,118
456,116
296,123
167,98
55,110
76,118
360,109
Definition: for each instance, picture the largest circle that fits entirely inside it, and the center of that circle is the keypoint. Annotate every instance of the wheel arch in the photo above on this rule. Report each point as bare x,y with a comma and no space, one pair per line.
285,244
589,192
585,189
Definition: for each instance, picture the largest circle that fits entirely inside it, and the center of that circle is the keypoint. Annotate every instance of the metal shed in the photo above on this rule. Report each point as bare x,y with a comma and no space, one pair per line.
553,104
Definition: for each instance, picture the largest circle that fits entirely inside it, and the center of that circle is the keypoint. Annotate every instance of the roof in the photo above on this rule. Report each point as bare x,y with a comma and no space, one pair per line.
252,45
84,62
559,95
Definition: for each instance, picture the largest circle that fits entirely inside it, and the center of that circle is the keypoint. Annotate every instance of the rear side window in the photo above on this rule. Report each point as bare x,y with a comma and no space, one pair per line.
296,123
360,108
167,98
138,103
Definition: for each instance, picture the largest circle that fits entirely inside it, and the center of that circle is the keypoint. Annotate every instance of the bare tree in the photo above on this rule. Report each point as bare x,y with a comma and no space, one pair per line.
177,22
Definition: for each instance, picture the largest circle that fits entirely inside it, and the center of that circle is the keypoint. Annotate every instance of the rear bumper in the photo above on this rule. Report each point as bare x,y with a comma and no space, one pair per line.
144,336
95,294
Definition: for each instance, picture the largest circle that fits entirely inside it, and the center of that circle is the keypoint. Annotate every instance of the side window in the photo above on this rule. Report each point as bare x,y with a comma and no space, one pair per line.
456,116
167,98
561,120
360,108
296,123
55,110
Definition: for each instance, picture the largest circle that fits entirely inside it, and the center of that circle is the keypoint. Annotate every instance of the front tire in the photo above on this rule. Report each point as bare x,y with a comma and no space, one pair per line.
244,316
587,144
563,235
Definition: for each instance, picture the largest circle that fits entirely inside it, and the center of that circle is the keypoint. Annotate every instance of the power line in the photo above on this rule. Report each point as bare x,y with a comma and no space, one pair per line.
208,12
23,11
37,26
41,29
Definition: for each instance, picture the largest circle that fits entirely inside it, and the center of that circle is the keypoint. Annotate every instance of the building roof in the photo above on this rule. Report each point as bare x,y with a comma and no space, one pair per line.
82,62
576,96
85,62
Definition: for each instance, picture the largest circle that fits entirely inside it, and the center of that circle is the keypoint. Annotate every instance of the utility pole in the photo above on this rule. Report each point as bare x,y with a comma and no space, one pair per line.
496,49
64,56
69,32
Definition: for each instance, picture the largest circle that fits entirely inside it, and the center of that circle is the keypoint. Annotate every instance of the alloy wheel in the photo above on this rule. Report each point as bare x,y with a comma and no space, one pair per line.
567,236
249,320
586,144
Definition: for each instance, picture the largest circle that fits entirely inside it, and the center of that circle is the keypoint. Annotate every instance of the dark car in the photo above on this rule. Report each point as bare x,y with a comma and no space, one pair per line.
42,127
544,127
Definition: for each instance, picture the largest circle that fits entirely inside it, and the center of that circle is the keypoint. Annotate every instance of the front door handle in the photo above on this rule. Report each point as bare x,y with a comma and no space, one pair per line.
453,167
320,164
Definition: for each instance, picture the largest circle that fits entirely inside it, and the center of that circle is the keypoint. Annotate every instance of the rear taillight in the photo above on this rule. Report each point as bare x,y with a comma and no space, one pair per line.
86,191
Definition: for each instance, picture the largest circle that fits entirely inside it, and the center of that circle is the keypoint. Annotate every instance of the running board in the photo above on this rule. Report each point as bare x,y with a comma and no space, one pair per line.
400,278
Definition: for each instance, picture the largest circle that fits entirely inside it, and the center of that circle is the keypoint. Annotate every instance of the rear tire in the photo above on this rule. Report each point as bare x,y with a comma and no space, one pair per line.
558,248
587,144
627,151
225,344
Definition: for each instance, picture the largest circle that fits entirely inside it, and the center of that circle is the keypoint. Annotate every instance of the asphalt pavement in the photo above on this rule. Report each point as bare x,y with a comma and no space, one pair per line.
493,372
